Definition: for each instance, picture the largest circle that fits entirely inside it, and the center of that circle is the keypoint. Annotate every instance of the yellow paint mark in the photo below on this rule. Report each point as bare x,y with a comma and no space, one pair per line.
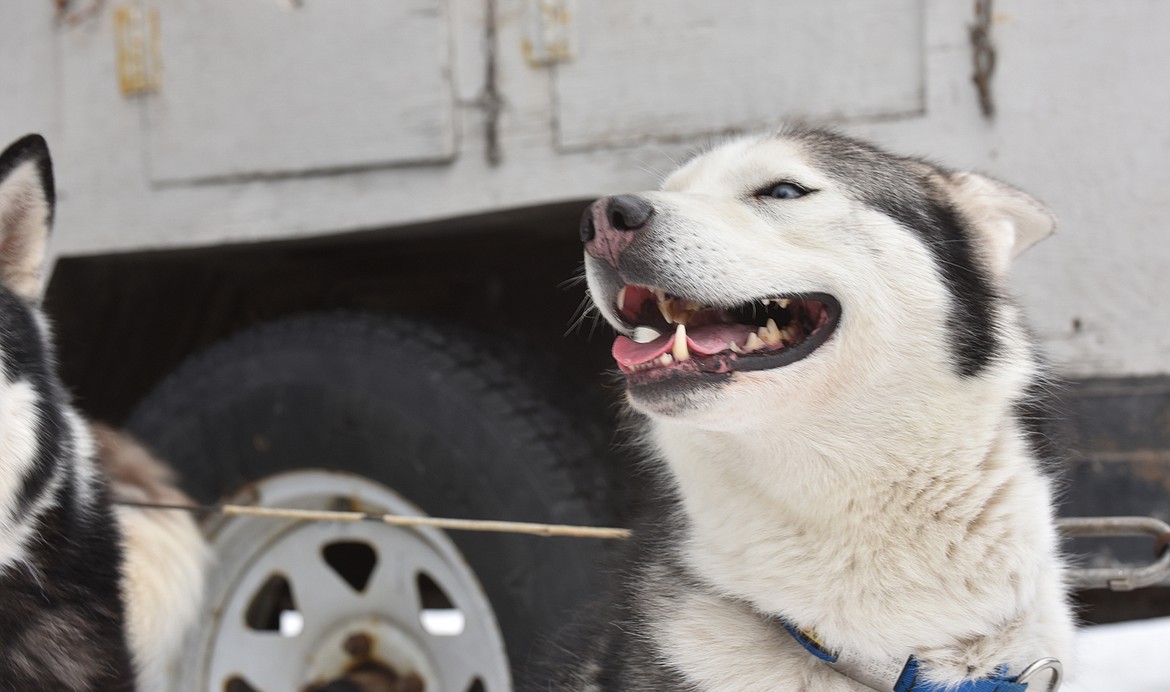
548,42
139,59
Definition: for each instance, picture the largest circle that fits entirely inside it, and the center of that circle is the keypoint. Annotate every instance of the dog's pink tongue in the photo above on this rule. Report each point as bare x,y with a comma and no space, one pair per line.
628,352
714,338
704,341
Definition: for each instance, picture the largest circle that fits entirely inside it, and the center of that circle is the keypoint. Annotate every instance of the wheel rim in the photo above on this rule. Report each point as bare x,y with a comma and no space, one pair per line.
292,603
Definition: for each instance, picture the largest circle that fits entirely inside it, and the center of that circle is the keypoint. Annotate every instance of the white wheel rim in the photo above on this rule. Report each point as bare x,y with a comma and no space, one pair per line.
241,647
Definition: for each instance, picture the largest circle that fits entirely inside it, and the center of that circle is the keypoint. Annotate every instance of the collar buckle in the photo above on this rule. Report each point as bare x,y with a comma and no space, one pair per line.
1048,663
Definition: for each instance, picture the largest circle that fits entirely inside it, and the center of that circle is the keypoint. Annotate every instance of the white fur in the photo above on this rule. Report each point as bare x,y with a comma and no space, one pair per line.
867,490
164,571
1010,220
18,449
166,557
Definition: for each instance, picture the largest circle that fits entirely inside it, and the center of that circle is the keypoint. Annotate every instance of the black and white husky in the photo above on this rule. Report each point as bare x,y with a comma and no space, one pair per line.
816,336
62,621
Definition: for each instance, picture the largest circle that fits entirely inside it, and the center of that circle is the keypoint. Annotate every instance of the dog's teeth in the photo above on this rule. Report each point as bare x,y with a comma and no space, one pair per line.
621,299
679,350
645,335
783,302
734,347
753,342
664,308
665,359
771,333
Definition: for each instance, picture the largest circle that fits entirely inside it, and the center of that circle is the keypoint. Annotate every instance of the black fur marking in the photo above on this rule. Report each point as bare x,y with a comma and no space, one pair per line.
61,612
895,186
25,358
1044,416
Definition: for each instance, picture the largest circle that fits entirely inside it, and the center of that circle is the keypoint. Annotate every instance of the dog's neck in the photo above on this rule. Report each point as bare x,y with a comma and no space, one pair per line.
922,532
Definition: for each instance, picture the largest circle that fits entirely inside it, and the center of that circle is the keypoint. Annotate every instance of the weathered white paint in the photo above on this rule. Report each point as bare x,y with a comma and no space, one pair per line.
1082,124
643,70
258,88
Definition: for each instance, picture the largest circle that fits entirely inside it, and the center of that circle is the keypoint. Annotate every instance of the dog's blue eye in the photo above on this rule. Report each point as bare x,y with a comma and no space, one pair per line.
784,191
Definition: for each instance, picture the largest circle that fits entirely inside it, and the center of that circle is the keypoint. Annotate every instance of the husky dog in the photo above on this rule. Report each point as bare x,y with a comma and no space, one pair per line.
65,579
62,621
816,337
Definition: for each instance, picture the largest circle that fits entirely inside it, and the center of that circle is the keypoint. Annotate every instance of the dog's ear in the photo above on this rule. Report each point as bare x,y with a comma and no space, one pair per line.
26,214
1007,220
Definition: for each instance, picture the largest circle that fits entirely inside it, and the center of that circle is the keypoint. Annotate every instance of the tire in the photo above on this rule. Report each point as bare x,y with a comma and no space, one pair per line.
452,420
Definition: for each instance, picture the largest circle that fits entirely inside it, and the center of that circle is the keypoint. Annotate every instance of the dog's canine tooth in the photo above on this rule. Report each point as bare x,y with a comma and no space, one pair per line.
667,313
679,349
621,299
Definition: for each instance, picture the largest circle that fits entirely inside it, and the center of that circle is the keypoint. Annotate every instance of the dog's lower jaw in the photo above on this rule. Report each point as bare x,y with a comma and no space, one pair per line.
951,557
677,399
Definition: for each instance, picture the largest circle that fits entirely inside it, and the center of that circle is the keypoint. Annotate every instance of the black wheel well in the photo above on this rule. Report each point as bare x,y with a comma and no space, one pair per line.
124,321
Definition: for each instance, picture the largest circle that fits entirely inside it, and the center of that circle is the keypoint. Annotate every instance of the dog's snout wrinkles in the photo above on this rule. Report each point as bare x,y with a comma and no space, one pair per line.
609,225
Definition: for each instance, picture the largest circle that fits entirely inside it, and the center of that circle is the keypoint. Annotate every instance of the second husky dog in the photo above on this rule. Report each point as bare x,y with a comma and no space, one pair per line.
62,616
816,337
91,598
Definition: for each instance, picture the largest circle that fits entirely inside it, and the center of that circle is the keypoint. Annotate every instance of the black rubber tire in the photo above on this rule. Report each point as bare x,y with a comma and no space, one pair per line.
451,420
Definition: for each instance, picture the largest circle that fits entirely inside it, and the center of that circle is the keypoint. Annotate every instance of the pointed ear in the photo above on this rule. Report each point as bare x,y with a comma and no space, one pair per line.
26,214
1007,220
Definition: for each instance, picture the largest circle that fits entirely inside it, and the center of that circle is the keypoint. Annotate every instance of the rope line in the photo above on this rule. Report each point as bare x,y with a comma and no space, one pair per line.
519,527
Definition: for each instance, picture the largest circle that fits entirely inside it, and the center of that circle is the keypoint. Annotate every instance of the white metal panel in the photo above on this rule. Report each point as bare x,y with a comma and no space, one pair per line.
648,69
28,102
260,87
1081,123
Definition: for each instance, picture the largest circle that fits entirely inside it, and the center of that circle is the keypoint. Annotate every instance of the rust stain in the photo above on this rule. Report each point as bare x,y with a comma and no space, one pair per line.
1151,468
368,674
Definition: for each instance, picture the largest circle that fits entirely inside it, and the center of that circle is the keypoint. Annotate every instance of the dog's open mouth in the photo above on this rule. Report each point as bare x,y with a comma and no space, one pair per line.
673,335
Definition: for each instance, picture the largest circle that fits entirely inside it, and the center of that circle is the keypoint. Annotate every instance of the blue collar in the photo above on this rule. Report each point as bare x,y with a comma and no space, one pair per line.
906,676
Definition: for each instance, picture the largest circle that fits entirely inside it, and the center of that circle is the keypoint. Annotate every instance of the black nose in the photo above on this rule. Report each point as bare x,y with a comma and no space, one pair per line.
628,212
